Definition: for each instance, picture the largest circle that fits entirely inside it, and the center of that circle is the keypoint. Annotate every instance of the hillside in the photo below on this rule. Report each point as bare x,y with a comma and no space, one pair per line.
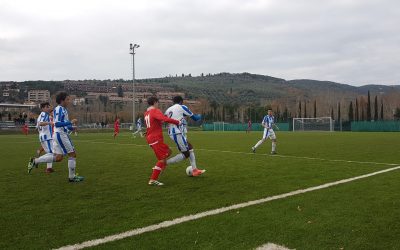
246,88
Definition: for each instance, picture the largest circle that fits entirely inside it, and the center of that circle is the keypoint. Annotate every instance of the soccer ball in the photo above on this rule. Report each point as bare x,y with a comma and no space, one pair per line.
189,171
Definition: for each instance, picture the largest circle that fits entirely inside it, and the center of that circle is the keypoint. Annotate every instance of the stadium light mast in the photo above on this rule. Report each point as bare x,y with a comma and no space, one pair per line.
132,48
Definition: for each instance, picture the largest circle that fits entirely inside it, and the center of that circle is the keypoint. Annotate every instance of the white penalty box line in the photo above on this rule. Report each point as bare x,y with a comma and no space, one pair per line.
183,219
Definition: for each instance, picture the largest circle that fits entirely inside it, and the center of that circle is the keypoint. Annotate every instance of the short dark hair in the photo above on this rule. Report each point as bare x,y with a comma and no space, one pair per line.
44,104
151,100
61,97
177,99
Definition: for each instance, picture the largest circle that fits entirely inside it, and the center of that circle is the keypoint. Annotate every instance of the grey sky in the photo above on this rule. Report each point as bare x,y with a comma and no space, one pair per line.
348,41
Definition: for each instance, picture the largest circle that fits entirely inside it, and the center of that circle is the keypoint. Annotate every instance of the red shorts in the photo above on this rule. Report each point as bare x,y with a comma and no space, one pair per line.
161,150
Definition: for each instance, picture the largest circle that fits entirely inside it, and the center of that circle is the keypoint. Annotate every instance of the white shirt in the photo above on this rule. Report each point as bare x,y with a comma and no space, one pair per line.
45,132
177,112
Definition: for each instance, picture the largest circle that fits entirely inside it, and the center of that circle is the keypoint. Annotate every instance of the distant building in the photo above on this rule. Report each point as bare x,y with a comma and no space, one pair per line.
38,96
169,95
78,101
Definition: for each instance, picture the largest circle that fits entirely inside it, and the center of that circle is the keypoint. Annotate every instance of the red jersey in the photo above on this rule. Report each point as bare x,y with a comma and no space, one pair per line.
116,125
154,120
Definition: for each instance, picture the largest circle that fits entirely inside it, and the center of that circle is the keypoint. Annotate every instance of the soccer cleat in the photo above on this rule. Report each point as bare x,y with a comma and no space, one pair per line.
198,172
273,153
254,149
31,164
76,178
155,183
49,170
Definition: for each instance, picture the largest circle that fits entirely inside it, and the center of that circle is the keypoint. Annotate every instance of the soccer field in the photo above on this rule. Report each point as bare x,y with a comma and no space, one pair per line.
43,211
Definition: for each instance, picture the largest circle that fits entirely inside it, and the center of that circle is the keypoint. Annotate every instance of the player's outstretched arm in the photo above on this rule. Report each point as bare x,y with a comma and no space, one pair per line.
196,117
159,116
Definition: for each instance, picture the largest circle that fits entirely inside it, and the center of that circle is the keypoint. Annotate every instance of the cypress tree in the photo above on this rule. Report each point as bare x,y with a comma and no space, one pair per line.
351,113
315,108
369,107
376,109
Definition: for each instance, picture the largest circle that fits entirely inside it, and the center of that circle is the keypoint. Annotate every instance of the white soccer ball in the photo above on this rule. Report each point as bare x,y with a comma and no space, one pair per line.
189,171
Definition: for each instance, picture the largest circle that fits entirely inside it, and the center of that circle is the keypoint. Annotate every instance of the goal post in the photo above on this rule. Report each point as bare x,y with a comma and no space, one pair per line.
313,124
219,126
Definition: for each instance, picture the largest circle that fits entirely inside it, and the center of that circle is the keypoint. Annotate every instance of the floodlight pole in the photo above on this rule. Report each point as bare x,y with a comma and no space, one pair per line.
132,52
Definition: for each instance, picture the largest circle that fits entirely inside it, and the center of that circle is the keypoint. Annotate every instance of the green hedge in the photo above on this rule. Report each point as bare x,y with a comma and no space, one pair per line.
378,126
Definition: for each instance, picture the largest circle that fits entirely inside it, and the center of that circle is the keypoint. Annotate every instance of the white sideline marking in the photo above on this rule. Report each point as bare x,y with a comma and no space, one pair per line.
197,216
271,246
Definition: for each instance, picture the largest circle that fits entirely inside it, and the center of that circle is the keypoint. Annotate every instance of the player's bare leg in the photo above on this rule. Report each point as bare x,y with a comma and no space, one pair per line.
39,151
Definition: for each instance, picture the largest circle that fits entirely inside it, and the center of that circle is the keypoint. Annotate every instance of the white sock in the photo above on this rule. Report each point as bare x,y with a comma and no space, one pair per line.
192,159
273,146
49,165
177,158
259,143
71,167
47,158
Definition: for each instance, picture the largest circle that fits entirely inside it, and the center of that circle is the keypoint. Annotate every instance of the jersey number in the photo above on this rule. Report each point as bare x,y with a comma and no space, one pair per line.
147,120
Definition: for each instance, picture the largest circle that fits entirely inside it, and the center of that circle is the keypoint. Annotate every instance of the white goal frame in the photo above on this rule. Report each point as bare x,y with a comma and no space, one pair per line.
317,119
219,125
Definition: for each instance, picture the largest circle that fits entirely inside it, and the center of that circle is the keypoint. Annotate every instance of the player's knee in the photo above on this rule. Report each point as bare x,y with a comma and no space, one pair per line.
190,146
58,158
161,164
72,154
186,154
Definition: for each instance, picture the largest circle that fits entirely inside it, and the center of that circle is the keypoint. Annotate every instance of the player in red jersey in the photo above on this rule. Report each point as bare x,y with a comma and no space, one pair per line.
154,119
25,129
248,127
116,127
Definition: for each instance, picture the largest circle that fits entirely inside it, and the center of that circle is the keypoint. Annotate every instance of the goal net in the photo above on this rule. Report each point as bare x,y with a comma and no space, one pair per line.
219,126
313,124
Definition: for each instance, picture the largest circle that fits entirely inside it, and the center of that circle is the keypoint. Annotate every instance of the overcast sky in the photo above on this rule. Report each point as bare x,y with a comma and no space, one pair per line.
349,41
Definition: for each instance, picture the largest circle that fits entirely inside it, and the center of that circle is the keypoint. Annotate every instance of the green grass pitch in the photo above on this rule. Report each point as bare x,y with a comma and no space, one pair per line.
44,211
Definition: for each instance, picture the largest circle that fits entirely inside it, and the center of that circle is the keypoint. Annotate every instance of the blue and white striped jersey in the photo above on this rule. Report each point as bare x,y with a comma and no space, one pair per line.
45,132
61,120
268,121
177,112
139,123
184,126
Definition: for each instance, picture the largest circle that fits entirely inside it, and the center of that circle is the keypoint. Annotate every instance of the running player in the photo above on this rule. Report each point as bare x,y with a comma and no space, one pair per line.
268,122
45,128
154,120
62,144
116,127
178,111
138,128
